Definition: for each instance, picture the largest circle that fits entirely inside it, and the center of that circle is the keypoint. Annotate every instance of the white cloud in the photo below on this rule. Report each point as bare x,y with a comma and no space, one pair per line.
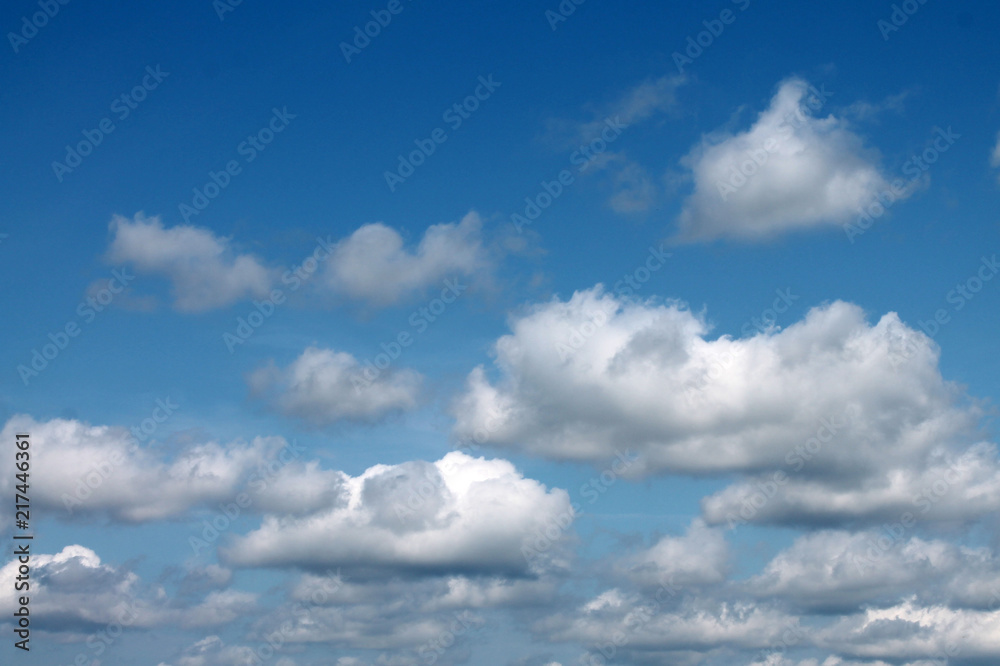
373,265
910,600
205,270
838,571
370,265
78,594
943,486
458,515
323,386
642,625
199,578
701,556
911,631
809,171
405,615
581,379
480,593
297,488
213,651
775,659
103,469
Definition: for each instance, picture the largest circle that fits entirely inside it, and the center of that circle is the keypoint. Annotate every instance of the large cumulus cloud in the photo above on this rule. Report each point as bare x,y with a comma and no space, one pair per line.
854,416
459,515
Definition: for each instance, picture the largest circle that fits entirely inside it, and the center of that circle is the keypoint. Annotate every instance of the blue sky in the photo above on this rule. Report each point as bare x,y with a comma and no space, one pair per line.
624,260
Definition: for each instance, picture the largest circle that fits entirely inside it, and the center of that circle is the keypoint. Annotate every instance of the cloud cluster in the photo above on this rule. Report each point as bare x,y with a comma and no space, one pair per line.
457,515
371,266
943,486
728,625
103,470
834,423
912,631
861,597
213,651
428,545
856,428
323,386
78,594
836,571
407,617
628,625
